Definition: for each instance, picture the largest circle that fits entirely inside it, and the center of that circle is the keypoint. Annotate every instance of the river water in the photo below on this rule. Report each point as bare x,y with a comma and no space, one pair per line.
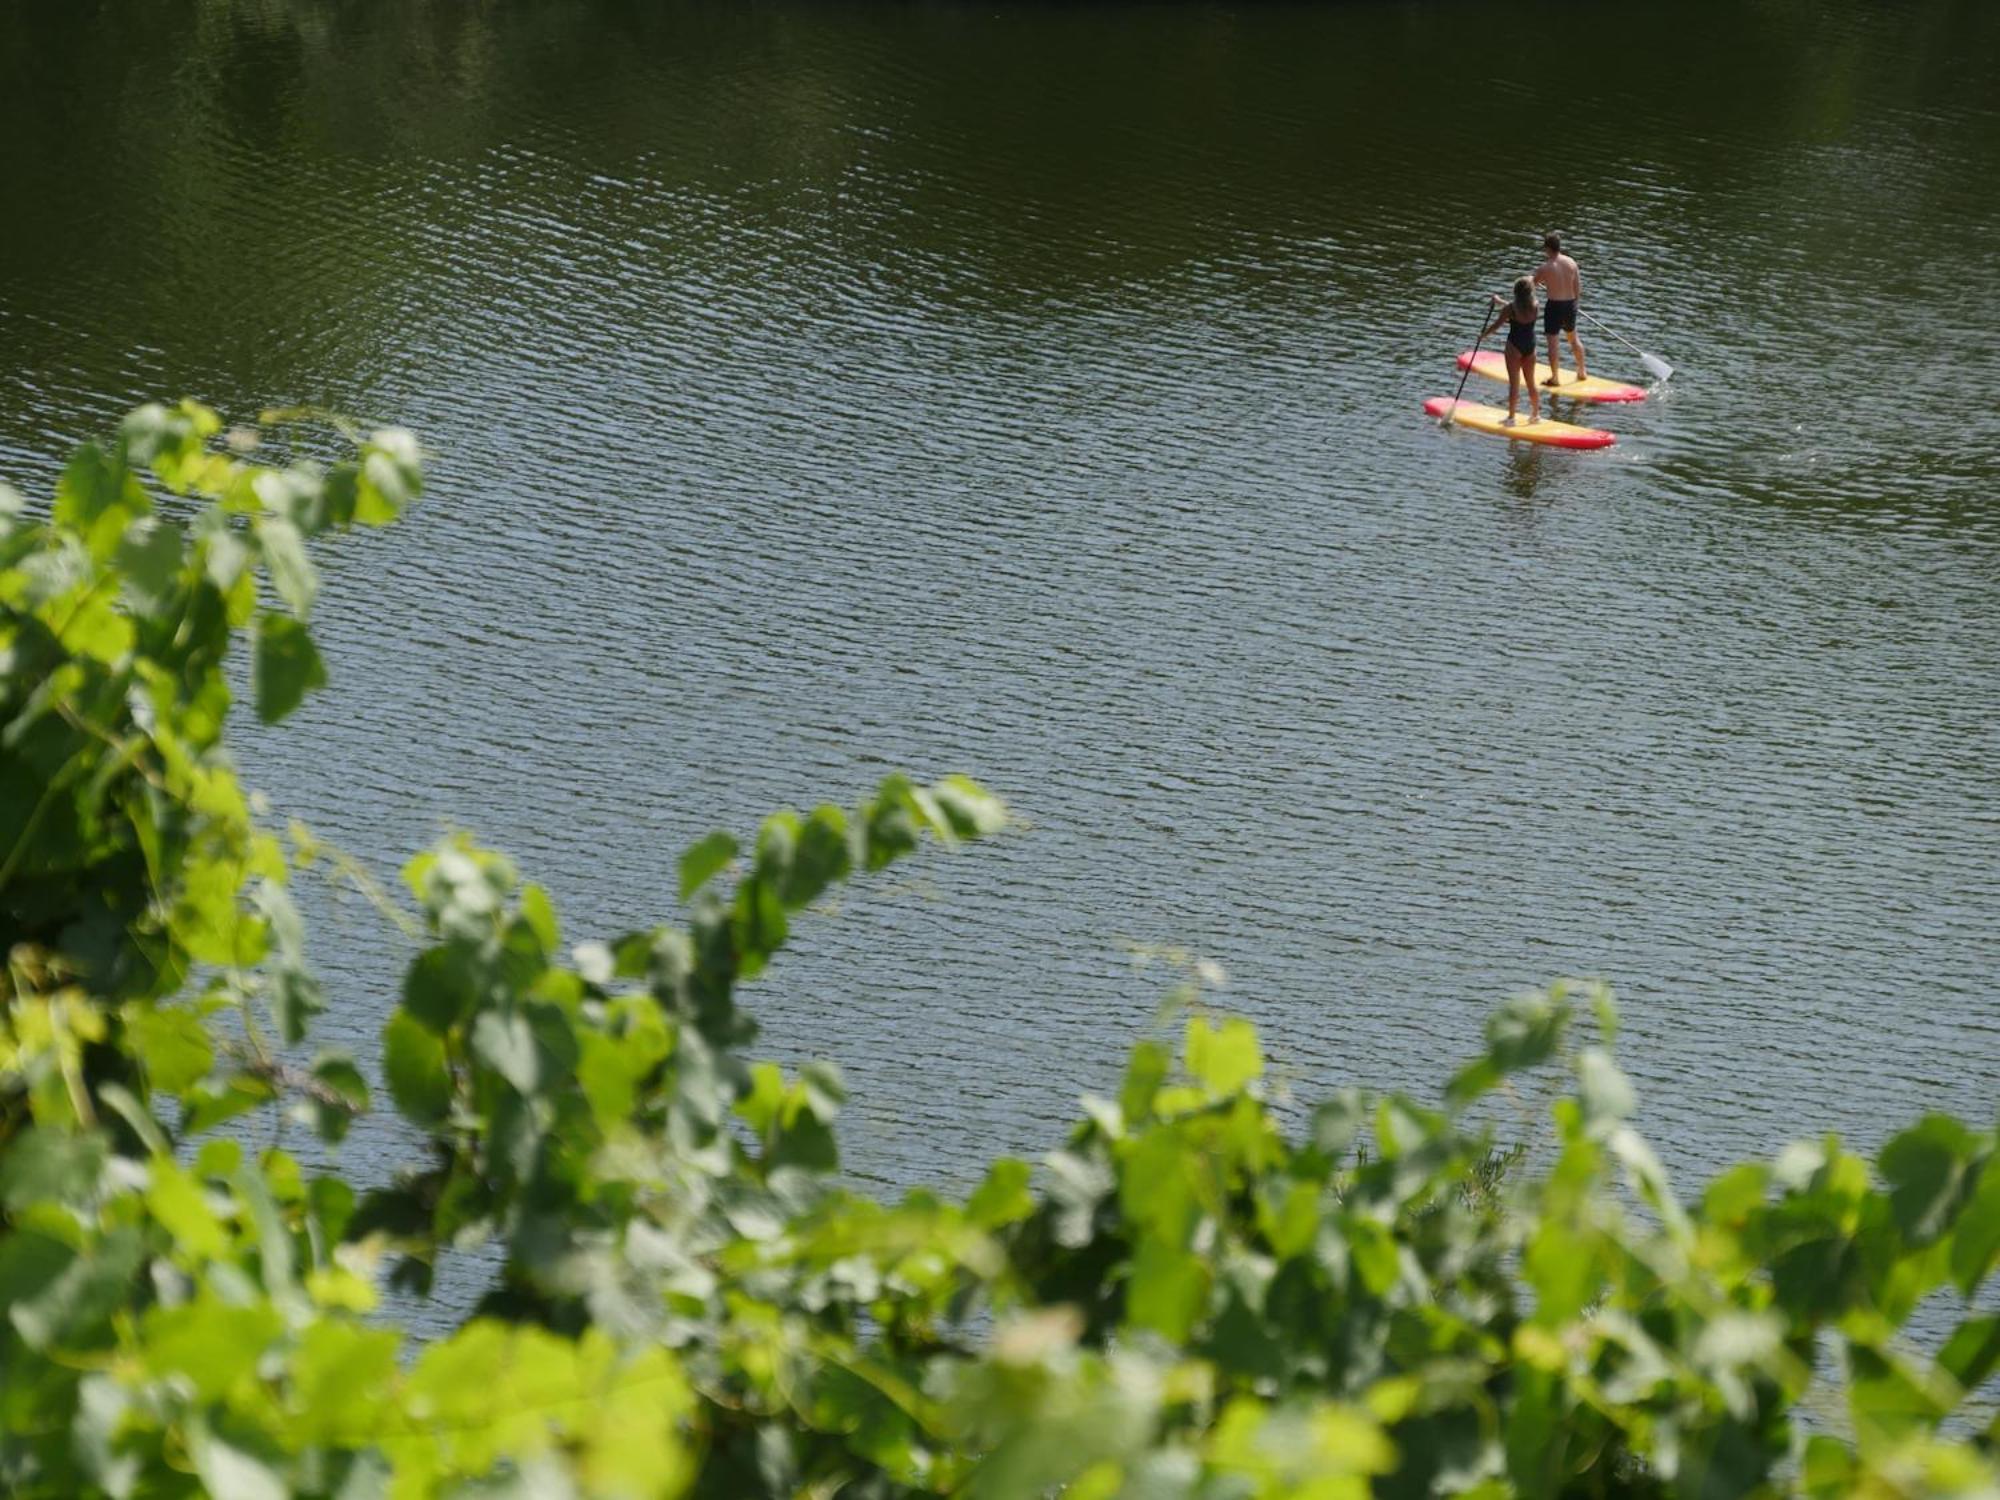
1033,391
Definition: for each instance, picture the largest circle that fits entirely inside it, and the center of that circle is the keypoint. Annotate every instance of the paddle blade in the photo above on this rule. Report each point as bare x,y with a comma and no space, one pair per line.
1658,368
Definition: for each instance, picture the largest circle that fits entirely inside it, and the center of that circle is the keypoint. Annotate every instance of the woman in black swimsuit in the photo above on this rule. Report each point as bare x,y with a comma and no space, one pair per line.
1519,316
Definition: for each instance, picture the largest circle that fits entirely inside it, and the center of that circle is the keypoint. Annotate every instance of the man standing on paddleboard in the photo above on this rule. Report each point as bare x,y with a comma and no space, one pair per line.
1562,282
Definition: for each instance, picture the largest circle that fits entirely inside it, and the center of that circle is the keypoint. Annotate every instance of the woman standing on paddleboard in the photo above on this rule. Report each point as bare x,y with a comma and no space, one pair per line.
1519,316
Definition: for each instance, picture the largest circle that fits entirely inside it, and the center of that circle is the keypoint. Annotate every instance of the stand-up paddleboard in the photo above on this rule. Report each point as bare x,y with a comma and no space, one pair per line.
1482,418
1493,365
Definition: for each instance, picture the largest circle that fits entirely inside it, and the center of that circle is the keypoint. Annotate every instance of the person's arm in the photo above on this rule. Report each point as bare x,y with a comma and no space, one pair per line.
1498,318
1540,274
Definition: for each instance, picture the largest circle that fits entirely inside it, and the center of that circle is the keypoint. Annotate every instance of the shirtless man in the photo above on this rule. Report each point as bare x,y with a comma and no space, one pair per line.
1562,283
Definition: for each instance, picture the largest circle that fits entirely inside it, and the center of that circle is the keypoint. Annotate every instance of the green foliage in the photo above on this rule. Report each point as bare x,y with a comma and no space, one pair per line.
1186,1301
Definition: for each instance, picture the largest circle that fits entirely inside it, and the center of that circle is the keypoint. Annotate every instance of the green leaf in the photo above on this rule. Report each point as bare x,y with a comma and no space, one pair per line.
413,1059
292,572
1223,1058
969,809
295,998
1374,1251
538,917
1337,1123
129,1109
54,1295
390,477
1003,1197
1157,1186
149,556
1975,1240
340,1094
229,1472
702,860
94,626
888,824
341,1376
44,1164
172,1043
1973,1352
1168,1290
1926,1168
204,1109
181,1205
1144,1073
287,666
1885,1399
98,498
441,988
210,1343
821,854
1525,1032
506,1043
757,924
1604,1089
1563,1267
336,1073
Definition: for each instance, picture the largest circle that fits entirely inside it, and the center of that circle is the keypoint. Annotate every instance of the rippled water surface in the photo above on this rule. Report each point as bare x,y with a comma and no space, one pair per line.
1033,390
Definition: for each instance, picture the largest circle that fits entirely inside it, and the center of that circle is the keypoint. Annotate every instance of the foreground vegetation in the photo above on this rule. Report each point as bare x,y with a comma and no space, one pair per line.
1183,1301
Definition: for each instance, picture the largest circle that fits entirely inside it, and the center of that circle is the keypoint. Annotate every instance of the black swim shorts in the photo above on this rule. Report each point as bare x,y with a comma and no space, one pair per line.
1559,315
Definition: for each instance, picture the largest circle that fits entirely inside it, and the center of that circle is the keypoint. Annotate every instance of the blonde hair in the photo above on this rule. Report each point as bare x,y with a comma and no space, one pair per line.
1524,294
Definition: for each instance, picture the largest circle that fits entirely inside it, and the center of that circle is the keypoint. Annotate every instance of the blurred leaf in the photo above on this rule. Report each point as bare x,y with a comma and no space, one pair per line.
206,1108
150,555
413,1061
173,1044
969,809
1223,1058
506,1043
43,1164
287,666
292,572
1144,1073
229,1472
54,1294
209,1343
441,989
1975,1244
1167,1291
1973,1352
341,1093
181,1205
98,497
1926,1167
1003,1197
703,859
1603,1087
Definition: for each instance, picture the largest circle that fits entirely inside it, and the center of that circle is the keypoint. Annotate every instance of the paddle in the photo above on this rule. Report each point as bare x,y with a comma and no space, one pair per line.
1658,368
1445,420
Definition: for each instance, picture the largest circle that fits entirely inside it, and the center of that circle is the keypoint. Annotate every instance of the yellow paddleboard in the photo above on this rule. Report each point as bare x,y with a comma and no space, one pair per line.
1493,365
1493,419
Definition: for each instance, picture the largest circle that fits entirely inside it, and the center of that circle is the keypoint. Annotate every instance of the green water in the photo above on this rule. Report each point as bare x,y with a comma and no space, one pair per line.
1034,391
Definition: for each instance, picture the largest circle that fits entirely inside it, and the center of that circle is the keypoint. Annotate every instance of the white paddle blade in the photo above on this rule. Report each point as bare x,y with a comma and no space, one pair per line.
1658,368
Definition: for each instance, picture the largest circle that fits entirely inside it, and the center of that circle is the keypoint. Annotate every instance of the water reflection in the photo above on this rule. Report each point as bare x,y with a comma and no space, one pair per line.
1523,473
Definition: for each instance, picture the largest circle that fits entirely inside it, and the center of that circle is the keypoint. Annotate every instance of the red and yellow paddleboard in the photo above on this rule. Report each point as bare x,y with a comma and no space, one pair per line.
1482,418
1493,365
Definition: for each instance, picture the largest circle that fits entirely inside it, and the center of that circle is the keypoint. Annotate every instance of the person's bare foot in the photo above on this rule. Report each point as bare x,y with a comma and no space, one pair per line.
1507,421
